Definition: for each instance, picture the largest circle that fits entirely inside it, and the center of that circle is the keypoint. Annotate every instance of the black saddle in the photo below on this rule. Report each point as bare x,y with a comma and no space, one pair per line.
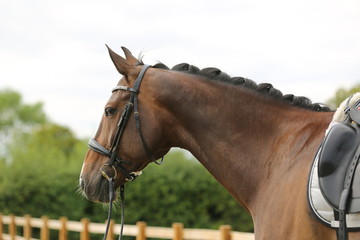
338,169
337,161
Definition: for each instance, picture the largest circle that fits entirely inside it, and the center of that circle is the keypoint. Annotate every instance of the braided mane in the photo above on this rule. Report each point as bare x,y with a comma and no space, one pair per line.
264,88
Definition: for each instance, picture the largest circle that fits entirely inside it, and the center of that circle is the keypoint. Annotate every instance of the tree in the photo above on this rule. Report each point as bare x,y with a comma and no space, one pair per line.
16,116
341,94
14,112
42,175
40,161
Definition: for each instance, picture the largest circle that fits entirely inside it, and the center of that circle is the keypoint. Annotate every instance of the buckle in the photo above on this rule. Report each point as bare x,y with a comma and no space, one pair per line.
133,175
107,168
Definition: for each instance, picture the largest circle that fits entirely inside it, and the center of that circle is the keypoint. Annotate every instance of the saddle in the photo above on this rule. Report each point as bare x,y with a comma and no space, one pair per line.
339,168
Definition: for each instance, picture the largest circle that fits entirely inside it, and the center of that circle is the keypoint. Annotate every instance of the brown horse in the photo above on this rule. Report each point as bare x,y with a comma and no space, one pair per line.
258,146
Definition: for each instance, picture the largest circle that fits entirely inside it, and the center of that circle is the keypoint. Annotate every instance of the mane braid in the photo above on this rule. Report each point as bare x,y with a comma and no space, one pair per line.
216,74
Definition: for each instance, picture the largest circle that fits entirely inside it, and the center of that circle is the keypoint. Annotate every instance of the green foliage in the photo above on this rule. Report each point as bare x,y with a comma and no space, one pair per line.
341,94
16,117
42,177
183,191
13,111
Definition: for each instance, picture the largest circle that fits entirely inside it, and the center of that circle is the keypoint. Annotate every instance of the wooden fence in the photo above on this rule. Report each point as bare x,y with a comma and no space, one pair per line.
140,231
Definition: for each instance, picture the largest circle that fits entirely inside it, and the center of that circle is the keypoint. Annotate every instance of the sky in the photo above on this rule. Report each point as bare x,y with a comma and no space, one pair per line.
54,51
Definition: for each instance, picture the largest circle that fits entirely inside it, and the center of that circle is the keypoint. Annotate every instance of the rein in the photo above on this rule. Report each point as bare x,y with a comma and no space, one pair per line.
109,170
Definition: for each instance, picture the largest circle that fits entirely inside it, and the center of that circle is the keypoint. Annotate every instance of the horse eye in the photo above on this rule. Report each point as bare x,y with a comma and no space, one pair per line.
110,111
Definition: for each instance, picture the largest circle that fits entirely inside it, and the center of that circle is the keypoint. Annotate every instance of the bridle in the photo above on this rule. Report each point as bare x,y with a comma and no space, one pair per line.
109,170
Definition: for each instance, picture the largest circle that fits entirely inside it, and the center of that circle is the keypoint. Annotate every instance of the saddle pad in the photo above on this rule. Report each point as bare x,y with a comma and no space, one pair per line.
320,207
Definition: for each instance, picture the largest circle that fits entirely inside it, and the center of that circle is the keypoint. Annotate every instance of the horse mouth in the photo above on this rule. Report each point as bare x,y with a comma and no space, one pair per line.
96,190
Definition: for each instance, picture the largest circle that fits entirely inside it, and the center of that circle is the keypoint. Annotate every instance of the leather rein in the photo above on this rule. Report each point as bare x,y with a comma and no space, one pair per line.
115,163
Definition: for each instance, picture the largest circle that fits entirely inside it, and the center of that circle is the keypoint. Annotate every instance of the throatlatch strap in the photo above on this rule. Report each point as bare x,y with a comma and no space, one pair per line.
138,127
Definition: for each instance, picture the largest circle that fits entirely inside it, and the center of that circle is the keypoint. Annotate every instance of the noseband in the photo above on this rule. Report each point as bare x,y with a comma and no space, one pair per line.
109,170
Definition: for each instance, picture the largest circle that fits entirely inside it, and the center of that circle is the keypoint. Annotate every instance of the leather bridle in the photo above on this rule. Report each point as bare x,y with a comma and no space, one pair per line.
115,163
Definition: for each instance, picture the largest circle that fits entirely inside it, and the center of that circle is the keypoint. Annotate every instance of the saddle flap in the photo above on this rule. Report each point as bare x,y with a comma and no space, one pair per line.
354,205
337,152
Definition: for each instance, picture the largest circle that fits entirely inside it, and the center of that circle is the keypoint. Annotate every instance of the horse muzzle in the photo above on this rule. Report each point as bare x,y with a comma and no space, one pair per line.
96,187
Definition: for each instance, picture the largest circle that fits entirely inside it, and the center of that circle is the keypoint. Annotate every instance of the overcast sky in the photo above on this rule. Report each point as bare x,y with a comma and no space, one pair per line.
54,51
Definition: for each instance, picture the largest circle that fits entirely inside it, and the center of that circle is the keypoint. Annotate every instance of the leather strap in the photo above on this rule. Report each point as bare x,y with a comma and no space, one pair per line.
134,99
343,233
97,147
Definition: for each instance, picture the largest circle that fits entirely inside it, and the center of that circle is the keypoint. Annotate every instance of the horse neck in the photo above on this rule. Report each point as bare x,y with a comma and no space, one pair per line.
239,136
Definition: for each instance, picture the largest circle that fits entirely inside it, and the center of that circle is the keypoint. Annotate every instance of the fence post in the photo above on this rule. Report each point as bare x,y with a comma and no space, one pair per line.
44,231
27,227
12,227
1,227
225,232
110,235
85,235
178,231
63,228
141,235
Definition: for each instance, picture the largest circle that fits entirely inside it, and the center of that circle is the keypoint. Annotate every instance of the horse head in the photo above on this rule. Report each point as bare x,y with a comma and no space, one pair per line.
126,141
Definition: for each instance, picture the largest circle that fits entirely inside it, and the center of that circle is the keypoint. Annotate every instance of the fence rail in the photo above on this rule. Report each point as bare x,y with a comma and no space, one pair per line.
140,231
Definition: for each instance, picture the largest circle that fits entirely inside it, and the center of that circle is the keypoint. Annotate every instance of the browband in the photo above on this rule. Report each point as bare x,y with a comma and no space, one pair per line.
137,83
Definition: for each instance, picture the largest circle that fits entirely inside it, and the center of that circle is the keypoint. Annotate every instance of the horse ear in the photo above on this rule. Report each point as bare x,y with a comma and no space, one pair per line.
122,65
129,56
